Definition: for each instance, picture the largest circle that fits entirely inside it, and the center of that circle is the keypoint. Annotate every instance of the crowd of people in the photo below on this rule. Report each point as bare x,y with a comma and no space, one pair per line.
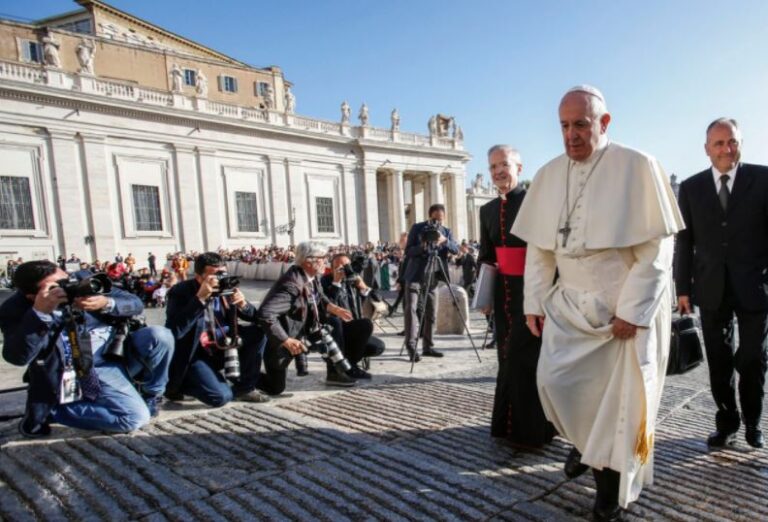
581,303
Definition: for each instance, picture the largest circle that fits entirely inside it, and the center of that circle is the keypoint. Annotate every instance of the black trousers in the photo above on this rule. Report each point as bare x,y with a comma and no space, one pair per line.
749,359
353,337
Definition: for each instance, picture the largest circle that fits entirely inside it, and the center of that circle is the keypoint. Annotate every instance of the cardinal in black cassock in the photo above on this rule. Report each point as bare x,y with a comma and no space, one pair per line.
517,413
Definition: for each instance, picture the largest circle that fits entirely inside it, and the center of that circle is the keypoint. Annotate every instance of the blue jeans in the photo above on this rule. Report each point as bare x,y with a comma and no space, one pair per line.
205,382
120,406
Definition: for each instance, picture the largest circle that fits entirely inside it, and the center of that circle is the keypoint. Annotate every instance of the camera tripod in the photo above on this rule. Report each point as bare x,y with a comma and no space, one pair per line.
433,265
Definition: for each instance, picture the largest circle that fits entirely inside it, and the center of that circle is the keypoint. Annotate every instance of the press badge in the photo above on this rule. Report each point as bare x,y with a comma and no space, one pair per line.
70,387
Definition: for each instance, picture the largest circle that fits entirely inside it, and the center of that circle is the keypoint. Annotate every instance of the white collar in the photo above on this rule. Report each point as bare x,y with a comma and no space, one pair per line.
602,144
716,174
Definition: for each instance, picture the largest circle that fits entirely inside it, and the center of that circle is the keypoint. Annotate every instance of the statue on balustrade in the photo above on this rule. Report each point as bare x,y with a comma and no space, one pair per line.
395,120
201,85
269,97
85,52
432,126
290,101
51,52
363,115
177,78
459,133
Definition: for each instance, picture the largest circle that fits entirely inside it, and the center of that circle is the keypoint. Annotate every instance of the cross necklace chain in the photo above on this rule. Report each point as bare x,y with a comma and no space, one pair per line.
566,230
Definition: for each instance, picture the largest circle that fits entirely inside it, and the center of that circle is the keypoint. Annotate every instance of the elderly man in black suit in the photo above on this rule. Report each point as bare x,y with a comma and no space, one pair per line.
722,266
294,307
417,255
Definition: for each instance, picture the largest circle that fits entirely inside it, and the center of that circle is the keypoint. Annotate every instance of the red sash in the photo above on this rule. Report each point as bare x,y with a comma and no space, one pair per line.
511,260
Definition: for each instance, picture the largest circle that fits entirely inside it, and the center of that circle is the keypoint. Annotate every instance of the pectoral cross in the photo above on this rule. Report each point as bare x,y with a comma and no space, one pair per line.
565,231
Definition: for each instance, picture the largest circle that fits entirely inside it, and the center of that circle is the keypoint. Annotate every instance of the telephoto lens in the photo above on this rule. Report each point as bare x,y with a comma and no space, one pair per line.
232,360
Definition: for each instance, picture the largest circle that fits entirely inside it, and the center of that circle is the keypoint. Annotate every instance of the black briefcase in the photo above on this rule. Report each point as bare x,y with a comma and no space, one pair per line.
685,351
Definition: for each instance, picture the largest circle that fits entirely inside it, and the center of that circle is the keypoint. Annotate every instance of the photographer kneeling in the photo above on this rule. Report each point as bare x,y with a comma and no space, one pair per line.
82,361
345,287
212,349
425,239
295,308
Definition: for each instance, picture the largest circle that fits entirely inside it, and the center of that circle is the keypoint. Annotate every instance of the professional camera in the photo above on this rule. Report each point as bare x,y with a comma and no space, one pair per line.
227,284
350,275
96,284
357,262
321,341
232,358
431,232
123,326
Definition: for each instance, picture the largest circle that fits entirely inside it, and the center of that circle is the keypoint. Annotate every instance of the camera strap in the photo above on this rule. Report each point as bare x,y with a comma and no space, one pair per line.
78,353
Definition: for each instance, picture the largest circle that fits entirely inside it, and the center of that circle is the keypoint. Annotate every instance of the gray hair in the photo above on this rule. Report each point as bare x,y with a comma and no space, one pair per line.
508,150
307,249
729,122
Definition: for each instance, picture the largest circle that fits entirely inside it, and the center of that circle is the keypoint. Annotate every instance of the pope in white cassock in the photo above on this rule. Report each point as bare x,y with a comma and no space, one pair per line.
602,216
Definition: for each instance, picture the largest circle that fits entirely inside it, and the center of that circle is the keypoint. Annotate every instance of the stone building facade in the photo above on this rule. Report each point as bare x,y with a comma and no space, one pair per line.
119,136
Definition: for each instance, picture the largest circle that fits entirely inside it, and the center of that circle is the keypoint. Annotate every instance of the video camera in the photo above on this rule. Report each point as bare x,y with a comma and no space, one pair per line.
97,284
430,234
321,341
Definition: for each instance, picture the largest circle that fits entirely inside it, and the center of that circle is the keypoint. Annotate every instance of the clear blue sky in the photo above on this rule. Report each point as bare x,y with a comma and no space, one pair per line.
667,68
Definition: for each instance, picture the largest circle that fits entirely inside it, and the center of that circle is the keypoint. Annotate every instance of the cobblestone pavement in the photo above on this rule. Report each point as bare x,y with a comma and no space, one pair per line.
403,447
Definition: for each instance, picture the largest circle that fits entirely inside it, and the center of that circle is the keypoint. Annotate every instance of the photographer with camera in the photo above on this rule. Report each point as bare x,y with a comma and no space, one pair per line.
425,238
216,359
82,354
296,308
345,287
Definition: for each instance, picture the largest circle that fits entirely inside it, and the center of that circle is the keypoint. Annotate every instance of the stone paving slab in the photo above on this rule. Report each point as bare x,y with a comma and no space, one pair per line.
403,447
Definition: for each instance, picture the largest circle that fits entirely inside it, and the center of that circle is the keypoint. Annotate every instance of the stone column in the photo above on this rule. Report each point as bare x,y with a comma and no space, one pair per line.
459,206
213,200
349,207
369,219
397,207
297,199
101,207
435,189
72,218
280,208
188,190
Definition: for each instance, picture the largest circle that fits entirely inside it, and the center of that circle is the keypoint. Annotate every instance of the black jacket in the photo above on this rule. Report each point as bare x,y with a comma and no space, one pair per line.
285,311
417,255
346,296
28,340
185,317
716,244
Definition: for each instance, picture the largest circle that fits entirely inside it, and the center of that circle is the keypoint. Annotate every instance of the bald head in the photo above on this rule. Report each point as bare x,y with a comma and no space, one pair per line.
584,120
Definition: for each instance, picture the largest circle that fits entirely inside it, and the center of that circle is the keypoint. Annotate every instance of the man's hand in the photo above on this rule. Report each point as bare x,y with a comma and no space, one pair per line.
684,305
442,239
294,346
209,285
486,310
361,284
238,299
342,313
49,298
535,324
92,303
623,329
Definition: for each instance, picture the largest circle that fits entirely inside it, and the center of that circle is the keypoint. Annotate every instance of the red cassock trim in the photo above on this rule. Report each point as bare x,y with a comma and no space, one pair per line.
511,260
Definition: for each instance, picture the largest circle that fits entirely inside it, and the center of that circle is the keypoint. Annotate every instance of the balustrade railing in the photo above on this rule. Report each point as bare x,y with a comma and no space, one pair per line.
116,89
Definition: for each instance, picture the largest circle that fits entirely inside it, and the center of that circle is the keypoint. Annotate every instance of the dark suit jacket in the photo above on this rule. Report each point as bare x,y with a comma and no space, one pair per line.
417,255
285,311
185,317
716,245
343,296
27,340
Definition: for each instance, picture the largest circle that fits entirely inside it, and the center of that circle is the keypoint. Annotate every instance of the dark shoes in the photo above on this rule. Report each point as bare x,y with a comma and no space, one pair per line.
613,514
431,352
174,396
573,466
754,437
33,431
335,378
358,373
413,356
252,396
720,439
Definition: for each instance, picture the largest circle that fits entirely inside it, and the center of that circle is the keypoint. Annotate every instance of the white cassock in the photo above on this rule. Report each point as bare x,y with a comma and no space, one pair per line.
602,393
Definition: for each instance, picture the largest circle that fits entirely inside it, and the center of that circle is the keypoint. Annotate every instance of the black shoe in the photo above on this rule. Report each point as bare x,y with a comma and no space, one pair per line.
335,378
401,333
33,431
611,514
431,352
301,373
754,437
573,466
492,344
174,396
358,373
413,357
720,439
